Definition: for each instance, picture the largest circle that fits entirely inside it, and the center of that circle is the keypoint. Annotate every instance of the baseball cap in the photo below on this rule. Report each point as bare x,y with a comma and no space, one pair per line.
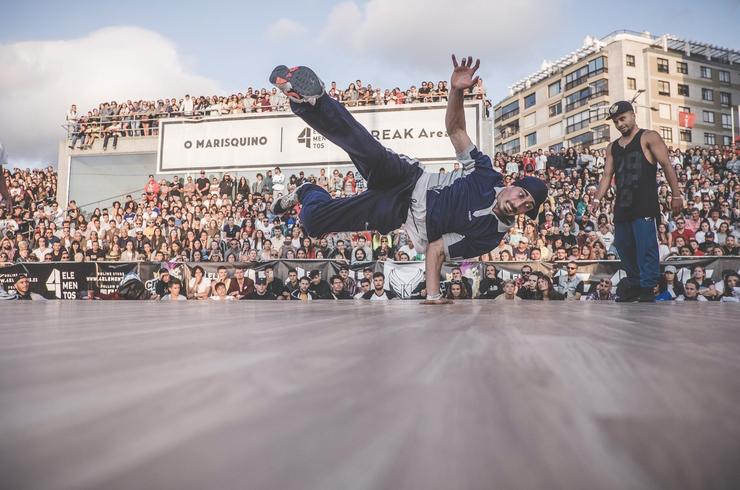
314,273
164,270
709,234
618,109
260,280
537,189
670,268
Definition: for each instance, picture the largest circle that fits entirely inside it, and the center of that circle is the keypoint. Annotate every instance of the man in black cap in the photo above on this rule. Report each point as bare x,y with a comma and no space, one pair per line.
319,287
260,290
633,159
452,216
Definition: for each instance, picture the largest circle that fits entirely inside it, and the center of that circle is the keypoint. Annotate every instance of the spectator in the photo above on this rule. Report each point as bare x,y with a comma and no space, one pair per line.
261,291
731,289
545,290
457,290
365,288
199,286
303,293
162,284
509,292
669,286
173,294
379,293
319,287
569,284
337,288
603,291
219,293
23,292
691,292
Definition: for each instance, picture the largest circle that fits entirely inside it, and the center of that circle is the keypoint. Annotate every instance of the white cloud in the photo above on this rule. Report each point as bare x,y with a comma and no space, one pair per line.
285,29
39,80
423,33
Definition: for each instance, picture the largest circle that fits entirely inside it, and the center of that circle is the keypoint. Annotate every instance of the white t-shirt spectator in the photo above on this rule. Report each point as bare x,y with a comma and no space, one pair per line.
203,287
187,106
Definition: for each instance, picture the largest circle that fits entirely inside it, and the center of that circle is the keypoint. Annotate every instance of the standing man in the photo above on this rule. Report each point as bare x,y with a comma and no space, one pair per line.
447,219
633,159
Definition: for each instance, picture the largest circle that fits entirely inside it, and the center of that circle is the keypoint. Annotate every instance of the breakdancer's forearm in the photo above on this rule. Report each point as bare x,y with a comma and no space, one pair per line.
455,121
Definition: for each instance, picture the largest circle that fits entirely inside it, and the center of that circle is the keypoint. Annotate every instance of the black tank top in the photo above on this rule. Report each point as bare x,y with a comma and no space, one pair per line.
637,189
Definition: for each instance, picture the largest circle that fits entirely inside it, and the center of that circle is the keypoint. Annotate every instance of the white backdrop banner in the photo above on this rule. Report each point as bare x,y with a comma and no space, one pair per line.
281,138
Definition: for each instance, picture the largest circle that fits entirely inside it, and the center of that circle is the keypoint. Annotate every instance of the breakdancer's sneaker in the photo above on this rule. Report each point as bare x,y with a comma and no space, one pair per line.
285,203
299,83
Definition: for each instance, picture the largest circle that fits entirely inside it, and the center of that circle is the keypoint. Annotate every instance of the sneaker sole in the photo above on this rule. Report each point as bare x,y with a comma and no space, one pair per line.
300,83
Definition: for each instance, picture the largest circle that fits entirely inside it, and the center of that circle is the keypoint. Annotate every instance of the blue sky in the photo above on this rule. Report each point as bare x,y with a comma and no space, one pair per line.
229,45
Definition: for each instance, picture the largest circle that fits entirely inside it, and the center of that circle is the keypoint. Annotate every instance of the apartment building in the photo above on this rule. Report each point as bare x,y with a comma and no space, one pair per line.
566,102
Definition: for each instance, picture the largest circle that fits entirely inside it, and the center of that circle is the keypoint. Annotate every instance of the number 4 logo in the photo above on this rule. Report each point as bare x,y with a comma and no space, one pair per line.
305,137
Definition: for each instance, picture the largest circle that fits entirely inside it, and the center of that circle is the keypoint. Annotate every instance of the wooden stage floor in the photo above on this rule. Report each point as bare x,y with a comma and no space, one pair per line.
476,395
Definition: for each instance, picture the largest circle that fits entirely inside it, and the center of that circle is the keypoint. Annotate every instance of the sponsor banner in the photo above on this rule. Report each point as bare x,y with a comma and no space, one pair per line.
56,280
254,141
71,280
109,275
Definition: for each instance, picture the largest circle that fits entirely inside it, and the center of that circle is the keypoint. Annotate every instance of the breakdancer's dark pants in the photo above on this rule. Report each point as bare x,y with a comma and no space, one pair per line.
390,177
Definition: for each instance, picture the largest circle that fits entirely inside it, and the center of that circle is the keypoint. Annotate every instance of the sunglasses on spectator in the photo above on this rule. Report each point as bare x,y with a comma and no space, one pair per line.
572,268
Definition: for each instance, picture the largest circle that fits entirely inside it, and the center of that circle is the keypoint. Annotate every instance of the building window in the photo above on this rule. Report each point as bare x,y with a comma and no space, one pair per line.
529,120
582,74
555,131
707,94
662,65
664,88
727,140
667,134
578,121
511,147
683,108
632,83
531,139
586,139
509,110
706,72
530,100
556,109
630,60
600,111
682,67
726,121
685,135
556,147
601,134
725,99
724,77
710,138
708,117
683,90
553,89
577,99
664,110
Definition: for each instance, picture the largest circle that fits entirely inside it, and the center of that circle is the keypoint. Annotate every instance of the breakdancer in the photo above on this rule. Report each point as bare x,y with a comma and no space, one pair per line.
451,216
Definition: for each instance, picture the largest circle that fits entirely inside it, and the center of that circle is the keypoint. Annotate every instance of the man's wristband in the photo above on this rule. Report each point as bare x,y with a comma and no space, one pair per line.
677,197
596,199
432,297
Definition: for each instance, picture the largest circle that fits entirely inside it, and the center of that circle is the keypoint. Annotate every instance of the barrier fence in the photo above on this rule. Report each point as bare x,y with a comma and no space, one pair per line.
73,280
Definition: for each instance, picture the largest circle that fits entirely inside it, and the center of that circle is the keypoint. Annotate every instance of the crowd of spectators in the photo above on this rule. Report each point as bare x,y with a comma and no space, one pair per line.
111,120
221,219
